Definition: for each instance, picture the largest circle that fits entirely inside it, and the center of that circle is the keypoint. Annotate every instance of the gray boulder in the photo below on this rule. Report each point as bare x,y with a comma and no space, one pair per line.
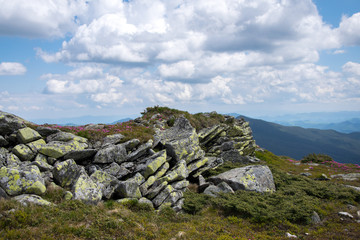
348,176
140,151
84,189
57,149
154,162
67,172
16,180
41,162
65,137
28,199
160,198
212,190
9,123
23,152
79,155
112,139
3,194
26,135
3,141
106,182
110,154
46,131
253,178
117,171
129,189
179,172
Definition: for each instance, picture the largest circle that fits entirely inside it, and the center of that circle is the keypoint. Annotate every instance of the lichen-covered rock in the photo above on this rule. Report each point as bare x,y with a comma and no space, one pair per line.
84,189
173,197
117,171
207,135
41,162
58,149
155,189
160,198
25,179
35,146
212,190
12,160
253,178
3,141
145,186
4,195
27,199
131,144
212,163
179,172
10,123
154,163
138,178
65,137
180,185
79,155
46,131
146,201
162,170
129,189
197,164
26,135
112,139
140,152
23,152
106,182
112,153
181,141
3,154
67,172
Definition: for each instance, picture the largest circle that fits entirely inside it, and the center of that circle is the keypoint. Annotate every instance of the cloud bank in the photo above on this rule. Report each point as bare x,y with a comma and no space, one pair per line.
206,51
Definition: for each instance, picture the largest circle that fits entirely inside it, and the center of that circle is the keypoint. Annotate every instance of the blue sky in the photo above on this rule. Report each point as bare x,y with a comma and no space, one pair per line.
74,58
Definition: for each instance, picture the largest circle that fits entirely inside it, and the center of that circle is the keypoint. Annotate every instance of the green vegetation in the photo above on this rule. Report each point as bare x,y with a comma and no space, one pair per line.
317,158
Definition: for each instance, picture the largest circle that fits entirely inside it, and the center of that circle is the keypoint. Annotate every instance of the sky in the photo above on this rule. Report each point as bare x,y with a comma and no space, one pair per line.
72,58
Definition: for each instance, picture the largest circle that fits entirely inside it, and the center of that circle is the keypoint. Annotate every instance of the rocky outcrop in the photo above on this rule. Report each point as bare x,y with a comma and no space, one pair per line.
156,172
229,141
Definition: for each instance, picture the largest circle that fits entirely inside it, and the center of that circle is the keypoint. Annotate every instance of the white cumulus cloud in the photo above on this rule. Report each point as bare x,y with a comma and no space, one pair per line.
12,68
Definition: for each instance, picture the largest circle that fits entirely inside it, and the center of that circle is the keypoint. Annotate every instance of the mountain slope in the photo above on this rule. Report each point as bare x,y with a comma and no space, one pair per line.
297,142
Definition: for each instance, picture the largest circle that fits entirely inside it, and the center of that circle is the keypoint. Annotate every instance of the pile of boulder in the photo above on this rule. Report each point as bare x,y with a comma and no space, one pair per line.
156,172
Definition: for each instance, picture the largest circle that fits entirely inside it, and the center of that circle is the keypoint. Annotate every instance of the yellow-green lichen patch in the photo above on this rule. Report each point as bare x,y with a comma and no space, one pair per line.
16,180
23,152
163,169
59,149
196,165
26,135
153,166
36,145
86,190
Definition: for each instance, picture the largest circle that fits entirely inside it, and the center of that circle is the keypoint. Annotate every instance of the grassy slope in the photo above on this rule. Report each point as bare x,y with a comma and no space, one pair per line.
264,217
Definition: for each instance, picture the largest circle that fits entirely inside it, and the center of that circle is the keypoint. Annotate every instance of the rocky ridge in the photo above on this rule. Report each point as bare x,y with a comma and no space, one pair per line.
156,172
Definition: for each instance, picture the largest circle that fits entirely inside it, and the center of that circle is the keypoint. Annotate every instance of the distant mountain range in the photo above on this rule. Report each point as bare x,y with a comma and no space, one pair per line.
83,120
297,142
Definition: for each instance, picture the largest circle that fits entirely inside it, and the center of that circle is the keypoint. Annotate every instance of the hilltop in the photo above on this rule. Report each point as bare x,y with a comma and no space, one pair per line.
167,175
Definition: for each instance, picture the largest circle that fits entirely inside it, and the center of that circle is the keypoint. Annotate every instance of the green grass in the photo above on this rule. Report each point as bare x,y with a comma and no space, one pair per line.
243,215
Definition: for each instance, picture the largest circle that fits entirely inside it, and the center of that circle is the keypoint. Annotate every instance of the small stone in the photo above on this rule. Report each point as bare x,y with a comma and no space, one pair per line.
346,214
315,219
289,235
